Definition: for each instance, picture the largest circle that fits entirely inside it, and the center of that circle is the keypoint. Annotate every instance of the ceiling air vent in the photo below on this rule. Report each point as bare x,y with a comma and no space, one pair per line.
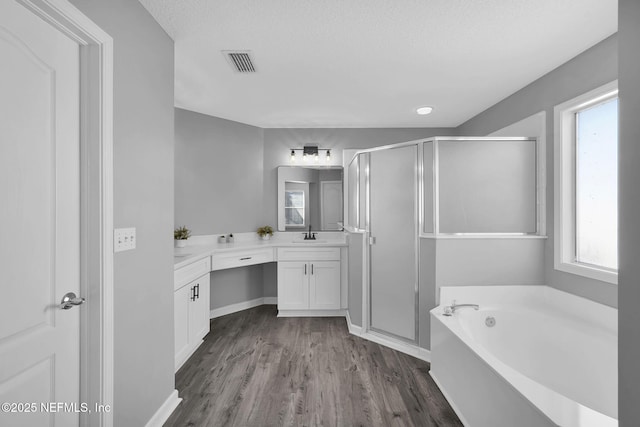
240,60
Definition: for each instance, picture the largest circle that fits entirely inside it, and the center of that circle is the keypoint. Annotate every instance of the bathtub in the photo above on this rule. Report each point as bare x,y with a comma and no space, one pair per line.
530,356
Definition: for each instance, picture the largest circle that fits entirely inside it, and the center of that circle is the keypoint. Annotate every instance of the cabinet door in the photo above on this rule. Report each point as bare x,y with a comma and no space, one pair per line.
199,310
324,285
181,304
293,285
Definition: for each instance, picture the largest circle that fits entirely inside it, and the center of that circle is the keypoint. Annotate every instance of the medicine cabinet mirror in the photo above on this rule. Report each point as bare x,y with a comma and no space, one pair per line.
310,196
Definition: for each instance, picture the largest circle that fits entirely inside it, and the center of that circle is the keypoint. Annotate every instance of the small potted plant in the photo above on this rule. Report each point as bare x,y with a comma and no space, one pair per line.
265,232
180,235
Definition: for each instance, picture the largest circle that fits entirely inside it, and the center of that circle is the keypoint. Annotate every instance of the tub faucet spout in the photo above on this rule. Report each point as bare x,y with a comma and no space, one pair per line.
450,309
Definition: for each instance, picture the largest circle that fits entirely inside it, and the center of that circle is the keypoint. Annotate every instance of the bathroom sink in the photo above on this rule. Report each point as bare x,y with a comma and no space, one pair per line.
310,241
180,255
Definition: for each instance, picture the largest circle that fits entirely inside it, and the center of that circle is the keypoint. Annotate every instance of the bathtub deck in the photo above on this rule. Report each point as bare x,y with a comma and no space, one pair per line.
255,369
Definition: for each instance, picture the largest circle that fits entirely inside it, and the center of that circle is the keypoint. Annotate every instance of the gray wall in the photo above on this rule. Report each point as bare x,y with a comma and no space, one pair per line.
476,262
629,232
143,192
427,290
236,285
218,190
589,70
473,262
218,166
279,142
269,280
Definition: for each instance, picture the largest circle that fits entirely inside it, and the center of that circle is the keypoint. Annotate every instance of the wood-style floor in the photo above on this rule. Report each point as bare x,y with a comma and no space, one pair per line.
255,369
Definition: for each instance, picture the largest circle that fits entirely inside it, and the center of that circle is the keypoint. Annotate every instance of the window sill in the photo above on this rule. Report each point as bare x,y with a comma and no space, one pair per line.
588,271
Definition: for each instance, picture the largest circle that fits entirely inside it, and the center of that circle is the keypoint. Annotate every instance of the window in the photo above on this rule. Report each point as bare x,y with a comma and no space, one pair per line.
294,208
586,185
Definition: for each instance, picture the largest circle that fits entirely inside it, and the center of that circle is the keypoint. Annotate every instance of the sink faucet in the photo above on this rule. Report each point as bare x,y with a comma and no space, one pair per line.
310,235
450,309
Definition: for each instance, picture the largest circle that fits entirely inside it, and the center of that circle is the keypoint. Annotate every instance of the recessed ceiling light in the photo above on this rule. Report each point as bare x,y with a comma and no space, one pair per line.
424,110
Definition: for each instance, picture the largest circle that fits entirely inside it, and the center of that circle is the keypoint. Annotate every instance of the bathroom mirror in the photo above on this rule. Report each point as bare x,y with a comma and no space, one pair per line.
310,196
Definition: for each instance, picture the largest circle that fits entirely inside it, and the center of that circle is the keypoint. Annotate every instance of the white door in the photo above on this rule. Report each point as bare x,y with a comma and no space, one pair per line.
324,285
330,204
39,213
293,285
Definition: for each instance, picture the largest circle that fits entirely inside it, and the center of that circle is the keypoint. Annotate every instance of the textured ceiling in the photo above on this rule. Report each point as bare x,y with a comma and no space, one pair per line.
370,63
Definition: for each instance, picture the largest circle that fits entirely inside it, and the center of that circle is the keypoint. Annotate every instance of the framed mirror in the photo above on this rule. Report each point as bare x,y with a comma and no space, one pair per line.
310,196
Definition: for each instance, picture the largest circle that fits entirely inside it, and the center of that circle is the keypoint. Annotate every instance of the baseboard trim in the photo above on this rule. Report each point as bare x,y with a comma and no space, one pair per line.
451,402
164,412
234,308
311,313
406,348
187,356
353,329
411,350
424,354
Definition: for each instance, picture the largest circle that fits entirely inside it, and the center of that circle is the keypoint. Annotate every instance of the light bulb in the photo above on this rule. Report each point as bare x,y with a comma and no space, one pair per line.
317,158
293,156
328,156
305,157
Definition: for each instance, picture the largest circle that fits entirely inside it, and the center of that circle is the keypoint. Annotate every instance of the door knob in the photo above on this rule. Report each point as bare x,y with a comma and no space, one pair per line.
69,300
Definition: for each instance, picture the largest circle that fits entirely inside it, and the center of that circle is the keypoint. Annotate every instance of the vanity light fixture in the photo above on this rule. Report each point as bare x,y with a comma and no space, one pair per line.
423,111
309,151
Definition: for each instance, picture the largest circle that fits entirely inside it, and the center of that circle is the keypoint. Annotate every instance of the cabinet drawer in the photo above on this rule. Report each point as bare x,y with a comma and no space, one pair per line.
190,272
240,259
307,254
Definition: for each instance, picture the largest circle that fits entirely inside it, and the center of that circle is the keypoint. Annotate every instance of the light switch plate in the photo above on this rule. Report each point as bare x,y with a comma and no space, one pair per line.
124,239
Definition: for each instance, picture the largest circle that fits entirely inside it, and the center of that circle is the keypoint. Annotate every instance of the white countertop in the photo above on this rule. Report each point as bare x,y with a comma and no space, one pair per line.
199,247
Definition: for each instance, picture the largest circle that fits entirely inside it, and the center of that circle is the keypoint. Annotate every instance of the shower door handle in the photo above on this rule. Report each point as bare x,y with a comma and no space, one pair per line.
69,300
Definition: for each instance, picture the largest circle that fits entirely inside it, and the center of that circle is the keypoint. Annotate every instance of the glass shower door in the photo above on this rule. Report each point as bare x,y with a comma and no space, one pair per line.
394,231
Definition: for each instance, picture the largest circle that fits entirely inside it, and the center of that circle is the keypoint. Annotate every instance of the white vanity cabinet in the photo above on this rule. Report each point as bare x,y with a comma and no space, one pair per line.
309,281
293,285
191,308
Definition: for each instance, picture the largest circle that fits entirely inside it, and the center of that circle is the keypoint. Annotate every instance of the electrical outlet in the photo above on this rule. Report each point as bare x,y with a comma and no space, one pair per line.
124,239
